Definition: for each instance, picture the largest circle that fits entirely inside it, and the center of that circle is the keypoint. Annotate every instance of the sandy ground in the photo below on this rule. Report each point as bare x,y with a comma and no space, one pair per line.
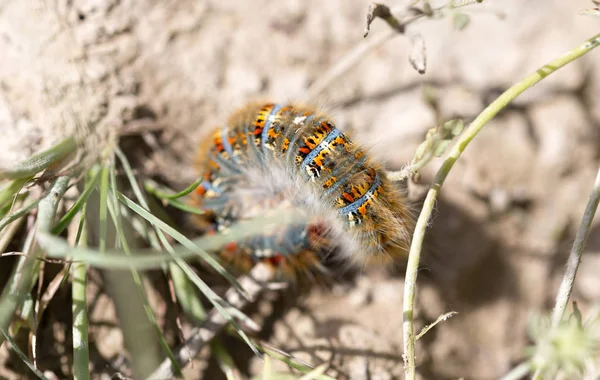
506,215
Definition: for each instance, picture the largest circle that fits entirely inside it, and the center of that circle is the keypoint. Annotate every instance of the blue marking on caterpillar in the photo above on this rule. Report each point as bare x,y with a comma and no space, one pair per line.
352,207
227,145
343,180
267,126
319,148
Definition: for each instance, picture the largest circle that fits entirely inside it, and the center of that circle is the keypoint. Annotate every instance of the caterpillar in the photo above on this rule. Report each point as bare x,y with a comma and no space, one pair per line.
272,156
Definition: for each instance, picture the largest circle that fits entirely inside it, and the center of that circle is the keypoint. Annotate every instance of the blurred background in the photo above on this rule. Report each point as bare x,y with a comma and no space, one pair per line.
506,216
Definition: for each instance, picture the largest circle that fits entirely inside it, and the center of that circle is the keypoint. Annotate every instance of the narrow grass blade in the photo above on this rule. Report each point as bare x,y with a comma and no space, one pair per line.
184,290
144,212
179,238
38,162
142,343
79,204
21,280
217,320
8,192
103,209
224,310
152,259
22,356
186,295
224,360
217,301
184,207
152,187
8,219
81,355
7,235
123,288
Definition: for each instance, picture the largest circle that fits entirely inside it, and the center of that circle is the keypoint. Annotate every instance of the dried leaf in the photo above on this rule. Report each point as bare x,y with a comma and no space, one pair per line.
418,57
382,11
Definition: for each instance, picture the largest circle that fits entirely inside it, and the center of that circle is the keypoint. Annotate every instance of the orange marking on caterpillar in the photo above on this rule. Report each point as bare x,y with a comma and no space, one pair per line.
367,216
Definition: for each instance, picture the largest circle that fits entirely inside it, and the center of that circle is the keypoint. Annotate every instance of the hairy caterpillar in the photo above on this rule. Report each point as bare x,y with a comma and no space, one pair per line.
272,156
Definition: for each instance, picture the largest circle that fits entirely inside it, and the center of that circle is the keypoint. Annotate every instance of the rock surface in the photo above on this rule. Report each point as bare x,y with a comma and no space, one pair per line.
507,212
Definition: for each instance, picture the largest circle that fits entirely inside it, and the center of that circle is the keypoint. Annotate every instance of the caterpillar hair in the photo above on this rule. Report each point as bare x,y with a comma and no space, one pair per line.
273,156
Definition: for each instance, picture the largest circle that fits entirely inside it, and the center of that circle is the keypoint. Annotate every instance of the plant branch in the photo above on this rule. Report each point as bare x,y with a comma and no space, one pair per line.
461,144
566,286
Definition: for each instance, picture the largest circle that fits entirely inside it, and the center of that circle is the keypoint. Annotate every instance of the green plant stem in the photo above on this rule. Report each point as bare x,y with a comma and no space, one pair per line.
464,140
7,235
22,355
153,259
153,188
9,192
21,280
566,286
81,356
8,219
138,340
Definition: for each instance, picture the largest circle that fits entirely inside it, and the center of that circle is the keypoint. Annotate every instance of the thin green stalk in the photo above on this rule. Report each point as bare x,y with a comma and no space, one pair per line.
79,204
21,280
152,187
184,207
8,219
566,286
81,355
9,191
22,355
7,235
218,302
141,345
179,237
157,223
184,288
38,162
103,211
464,140
224,359
217,319
151,258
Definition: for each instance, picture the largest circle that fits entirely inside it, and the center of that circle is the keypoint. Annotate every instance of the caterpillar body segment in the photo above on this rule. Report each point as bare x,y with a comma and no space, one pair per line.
271,156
